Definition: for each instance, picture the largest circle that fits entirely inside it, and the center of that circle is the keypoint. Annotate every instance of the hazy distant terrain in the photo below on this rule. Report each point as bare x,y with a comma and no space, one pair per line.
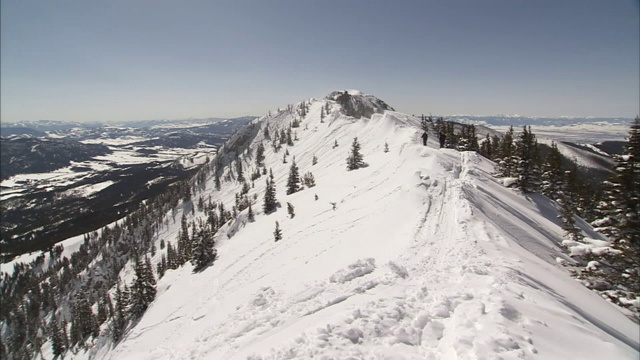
62,179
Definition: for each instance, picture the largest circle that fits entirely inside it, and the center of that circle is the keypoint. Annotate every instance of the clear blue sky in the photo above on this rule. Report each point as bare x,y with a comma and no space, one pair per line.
133,59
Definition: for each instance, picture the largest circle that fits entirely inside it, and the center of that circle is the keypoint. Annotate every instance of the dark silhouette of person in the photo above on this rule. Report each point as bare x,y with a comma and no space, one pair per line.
425,136
443,139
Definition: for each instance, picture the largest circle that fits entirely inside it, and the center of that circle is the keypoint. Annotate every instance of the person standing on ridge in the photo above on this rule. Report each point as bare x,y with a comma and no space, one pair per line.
425,136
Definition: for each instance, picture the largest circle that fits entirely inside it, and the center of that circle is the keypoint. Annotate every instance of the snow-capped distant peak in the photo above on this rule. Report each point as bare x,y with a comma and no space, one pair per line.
356,104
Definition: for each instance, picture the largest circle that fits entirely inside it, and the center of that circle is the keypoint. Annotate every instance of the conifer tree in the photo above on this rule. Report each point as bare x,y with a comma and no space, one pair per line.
260,155
277,233
355,159
485,148
250,215
506,156
119,317
619,213
203,250
143,289
314,160
217,181
270,202
239,171
308,180
567,200
291,210
552,174
293,182
527,152
57,342
386,147
83,319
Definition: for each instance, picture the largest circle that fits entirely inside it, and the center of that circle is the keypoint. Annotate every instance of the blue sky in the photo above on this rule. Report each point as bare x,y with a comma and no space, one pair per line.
134,60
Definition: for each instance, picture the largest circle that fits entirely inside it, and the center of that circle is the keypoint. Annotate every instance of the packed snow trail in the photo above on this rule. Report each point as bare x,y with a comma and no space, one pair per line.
420,255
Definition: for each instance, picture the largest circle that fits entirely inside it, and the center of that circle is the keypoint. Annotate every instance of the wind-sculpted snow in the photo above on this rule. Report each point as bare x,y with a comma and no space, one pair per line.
420,255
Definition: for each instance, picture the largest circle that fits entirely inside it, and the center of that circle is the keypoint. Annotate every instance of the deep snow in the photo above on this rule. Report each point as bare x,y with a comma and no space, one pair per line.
425,256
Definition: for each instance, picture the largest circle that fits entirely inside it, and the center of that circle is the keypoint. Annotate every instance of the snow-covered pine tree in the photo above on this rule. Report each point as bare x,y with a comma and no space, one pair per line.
270,203
619,219
293,182
277,233
355,159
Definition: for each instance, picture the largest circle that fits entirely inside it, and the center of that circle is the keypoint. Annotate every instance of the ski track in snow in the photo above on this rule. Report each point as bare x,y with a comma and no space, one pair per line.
426,256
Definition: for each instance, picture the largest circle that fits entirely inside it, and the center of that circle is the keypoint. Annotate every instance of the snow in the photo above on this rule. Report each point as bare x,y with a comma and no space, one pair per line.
86,190
420,255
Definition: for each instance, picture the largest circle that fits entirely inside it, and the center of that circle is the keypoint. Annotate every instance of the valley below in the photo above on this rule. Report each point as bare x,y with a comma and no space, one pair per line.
76,179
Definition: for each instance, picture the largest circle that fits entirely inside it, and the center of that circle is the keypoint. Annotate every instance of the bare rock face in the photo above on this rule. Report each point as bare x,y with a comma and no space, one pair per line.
356,104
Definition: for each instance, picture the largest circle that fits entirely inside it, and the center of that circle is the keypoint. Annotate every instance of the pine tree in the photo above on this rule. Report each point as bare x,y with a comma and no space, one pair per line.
270,202
485,148
239,171
314,160
619,213
119,317
506,155
57,342
260,155
552,174
184,242
277,233
143,289
291,210
293,183
83,319
204,252
527,152
355,159
308,180
250,215
217,181
386,147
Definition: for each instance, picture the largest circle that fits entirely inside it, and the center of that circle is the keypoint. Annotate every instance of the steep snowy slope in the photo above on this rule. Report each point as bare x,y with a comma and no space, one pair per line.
420,255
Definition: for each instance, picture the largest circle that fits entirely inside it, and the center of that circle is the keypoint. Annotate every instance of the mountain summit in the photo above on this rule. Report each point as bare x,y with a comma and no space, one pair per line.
356,104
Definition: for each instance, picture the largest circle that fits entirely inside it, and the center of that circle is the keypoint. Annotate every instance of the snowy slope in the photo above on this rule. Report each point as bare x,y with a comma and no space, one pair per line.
425,256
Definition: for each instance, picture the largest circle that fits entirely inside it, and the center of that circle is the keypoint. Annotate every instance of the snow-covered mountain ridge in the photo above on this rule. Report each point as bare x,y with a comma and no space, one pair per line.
422,254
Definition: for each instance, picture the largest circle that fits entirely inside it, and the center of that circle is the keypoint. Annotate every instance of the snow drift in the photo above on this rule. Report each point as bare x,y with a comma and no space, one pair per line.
420,255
